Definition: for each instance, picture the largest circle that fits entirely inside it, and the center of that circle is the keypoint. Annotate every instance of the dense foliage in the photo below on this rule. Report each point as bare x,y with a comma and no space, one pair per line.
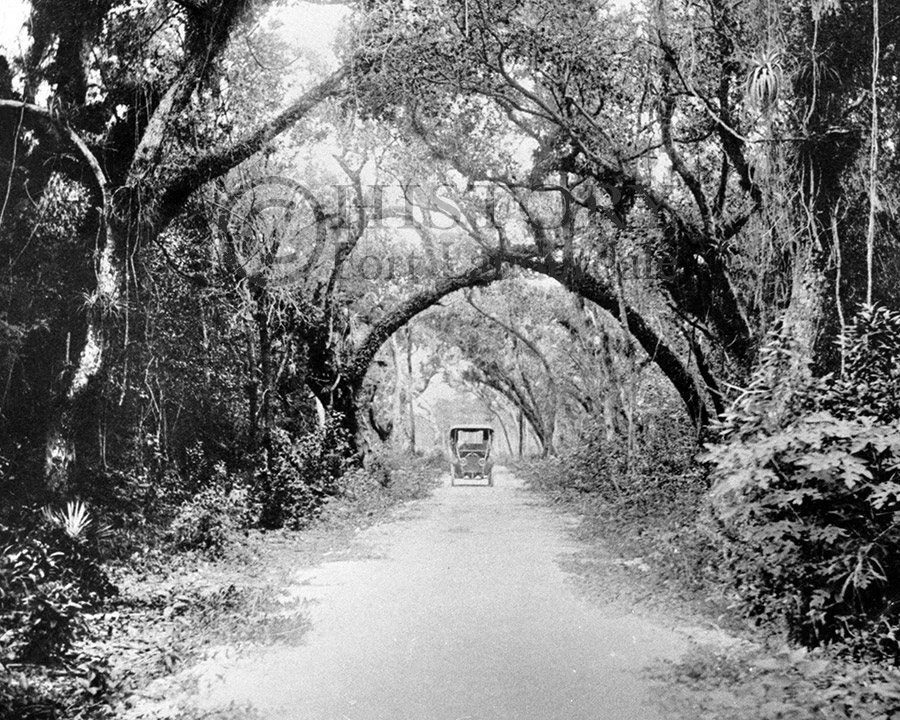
49,575
678,208
298,476
810,502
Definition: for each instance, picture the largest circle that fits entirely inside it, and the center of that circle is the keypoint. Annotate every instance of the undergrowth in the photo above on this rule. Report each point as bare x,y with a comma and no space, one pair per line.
79,634
807,488
649,507
789,532
745,682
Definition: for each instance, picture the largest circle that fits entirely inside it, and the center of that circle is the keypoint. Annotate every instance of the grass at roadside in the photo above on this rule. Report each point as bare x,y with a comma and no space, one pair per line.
766,681
645,530
650,543
175,609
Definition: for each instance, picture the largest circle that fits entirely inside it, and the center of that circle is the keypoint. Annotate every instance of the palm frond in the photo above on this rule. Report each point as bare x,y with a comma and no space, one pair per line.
74,522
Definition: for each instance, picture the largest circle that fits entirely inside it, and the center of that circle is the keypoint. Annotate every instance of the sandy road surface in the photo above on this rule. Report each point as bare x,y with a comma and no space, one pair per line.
459,611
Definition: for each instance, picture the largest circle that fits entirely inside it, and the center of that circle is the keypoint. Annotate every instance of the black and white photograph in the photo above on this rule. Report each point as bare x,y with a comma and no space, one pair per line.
449,360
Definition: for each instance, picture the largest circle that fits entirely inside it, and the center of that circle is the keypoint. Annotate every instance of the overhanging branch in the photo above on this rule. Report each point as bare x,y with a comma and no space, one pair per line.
580,281
219,160
482,274
37,112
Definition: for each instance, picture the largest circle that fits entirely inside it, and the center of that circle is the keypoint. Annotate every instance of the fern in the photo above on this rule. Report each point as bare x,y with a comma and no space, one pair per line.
74,522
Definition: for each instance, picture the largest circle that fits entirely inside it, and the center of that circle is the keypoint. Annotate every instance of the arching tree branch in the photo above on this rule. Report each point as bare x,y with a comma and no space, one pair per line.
219,160
479,275
580,281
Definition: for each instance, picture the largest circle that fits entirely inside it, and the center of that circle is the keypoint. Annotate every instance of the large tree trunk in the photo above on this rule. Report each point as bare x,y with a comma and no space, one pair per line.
59,448
344,407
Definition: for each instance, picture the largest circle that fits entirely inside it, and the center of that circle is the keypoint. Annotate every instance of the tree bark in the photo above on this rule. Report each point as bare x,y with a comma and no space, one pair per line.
59,451
521,424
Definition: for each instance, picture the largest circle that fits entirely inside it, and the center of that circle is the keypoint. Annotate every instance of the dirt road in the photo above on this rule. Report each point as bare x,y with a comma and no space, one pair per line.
457,611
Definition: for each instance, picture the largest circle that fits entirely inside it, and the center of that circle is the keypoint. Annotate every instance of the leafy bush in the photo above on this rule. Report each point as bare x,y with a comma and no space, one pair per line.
204,522
48,577
752,682
596,466
40,608
810,503
870,382
812,516
603,468
295,476
412,477
378,466
42,599
21,698
389,477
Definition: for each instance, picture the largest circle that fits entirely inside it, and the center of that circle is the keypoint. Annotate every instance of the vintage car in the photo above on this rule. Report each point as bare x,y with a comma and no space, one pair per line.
470,452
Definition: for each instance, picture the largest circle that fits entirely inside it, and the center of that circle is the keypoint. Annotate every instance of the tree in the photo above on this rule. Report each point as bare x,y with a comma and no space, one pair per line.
537,73
326,260
500,357
529,347
716,138
142,139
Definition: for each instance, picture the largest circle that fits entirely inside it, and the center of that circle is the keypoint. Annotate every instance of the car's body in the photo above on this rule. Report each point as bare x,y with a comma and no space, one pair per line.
470,452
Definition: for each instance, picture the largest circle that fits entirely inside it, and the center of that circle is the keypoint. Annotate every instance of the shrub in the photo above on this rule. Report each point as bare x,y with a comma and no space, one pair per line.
295,476
870,382
21,698
377,466
811,516
603,468
39,609
809,497
412,477
596,466
204,522
48,577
